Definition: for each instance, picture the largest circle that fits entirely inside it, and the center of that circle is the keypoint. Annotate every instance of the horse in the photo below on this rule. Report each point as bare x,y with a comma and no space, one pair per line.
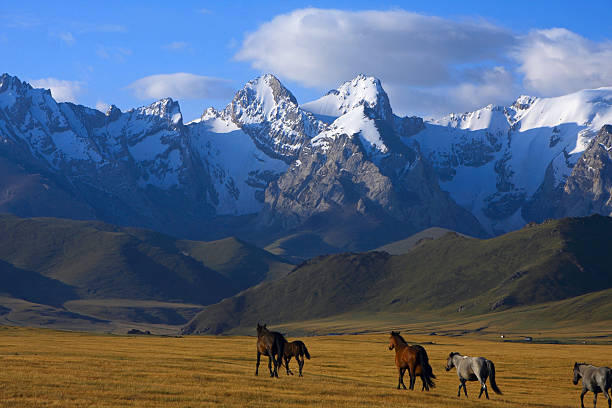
473,369
298,350
412,358
594,379
270,344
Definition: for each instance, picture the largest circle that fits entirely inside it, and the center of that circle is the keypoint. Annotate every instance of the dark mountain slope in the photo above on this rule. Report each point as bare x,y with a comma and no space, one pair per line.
52,262
450,276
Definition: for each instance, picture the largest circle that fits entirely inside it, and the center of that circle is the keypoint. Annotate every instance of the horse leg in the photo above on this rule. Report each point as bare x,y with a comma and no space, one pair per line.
425,385
270,362
584,391
412,378
464,389
459,389
605,391
287,360
300,364
400,374
257,366
595,400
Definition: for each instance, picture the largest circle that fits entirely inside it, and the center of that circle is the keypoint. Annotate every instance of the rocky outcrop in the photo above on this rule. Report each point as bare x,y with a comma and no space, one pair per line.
588,189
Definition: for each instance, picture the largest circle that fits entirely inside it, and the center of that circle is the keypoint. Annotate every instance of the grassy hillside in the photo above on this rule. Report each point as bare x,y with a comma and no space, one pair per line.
405,245
450,277
48,261
244,264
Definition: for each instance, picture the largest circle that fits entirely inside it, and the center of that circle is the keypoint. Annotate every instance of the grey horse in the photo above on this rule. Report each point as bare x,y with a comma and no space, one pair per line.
473,369
594,379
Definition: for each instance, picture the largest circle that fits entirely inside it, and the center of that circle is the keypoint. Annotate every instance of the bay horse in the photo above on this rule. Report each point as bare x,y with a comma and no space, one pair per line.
594,379
473,369
412,358
270,344
298,350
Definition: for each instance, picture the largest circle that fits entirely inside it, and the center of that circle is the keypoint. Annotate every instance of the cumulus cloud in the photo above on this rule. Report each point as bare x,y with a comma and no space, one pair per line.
321,47
428,64
558,61
61,90
181,85
479,88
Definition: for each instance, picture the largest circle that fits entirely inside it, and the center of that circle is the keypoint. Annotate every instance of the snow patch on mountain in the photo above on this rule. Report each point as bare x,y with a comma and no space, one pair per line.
240,171
355,122
495,159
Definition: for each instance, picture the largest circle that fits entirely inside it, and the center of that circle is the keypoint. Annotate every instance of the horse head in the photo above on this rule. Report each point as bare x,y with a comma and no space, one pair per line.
577,374
393,339
450,363
260,329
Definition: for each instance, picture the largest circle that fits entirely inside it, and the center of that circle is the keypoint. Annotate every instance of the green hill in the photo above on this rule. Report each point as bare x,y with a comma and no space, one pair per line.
405,245
51,262
452,276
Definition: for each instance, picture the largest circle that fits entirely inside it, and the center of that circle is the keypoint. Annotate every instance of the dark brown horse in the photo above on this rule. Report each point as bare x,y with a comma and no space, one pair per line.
270,344
298,350
412,358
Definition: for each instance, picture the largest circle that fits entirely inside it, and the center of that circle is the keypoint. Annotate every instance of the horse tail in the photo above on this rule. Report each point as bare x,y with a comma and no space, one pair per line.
492,377
426,367
305,350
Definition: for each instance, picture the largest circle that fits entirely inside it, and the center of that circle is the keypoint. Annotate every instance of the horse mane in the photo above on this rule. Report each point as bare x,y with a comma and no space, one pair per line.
579,364
454,353
397,334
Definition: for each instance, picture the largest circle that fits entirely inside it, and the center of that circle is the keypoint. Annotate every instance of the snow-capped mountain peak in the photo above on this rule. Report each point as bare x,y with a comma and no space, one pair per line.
164,108
362,90
270,114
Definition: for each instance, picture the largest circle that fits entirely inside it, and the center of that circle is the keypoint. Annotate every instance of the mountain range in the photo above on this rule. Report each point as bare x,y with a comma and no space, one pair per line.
339,173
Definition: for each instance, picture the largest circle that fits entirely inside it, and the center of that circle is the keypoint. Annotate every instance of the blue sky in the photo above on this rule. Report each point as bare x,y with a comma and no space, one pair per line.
433,57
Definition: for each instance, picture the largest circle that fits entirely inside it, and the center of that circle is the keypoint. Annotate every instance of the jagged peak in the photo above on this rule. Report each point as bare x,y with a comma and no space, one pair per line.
362,90
524,102
263,88
9,82
164,108
113,112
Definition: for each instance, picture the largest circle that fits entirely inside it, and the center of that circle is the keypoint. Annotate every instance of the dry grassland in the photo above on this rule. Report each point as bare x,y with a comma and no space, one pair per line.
44,368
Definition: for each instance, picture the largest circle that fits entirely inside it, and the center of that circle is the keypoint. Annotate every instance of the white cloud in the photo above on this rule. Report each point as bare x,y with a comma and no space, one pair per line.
102,106
61,90
181,85
428,64
323,47
481,87
176,46
66,37
557,61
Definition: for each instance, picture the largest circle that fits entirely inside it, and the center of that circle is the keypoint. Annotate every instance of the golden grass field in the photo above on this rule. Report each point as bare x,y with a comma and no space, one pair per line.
44,368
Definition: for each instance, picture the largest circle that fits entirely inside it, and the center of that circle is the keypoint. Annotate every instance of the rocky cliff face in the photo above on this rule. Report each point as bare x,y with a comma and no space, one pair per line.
359,171
269,113
588,189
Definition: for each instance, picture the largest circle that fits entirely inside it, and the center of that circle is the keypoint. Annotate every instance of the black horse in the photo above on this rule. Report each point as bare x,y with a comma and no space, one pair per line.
298,350
271,344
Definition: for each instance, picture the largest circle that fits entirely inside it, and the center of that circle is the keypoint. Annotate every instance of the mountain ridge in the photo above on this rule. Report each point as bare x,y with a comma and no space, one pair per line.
292,169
